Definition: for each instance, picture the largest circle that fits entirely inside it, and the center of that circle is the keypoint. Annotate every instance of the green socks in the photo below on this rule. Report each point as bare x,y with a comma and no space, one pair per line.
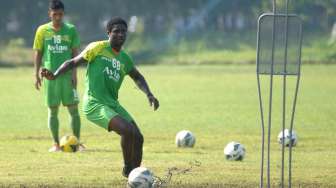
75,121
53,123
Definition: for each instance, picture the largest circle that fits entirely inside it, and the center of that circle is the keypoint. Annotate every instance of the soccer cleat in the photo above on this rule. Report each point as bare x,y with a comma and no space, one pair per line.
55,148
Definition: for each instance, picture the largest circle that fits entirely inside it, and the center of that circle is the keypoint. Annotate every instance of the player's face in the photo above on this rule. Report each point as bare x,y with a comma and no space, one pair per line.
118,34
56,16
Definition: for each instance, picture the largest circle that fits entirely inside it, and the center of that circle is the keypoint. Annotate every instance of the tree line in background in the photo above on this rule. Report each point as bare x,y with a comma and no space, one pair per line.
155,18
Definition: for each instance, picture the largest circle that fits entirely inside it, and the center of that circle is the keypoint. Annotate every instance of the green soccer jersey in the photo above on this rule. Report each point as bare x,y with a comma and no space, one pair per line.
106,70
56,46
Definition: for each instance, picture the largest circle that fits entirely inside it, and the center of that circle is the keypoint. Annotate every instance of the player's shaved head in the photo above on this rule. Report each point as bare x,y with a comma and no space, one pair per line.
56,5
114,21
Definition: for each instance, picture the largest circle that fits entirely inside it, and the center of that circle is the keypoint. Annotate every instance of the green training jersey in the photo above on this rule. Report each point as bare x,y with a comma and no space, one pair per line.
106,70
56,46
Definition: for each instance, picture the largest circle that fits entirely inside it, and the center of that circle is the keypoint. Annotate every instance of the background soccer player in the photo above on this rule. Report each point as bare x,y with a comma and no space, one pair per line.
54,43
107,65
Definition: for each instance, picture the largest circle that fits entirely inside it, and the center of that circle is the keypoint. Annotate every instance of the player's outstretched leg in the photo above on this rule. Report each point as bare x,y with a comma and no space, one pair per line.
138,145
131,140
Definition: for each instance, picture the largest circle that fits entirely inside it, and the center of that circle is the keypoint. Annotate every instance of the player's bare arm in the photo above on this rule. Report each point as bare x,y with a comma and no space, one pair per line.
142,84
66,66
37,64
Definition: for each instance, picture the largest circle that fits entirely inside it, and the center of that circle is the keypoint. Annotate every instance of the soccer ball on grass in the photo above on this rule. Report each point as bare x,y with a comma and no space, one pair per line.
69,143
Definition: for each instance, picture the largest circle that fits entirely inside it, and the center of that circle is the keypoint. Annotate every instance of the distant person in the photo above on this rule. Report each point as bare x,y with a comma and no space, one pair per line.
332,39
54,43
107,65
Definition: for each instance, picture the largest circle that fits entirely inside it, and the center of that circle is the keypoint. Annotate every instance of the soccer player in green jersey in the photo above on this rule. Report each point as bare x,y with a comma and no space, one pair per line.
54,43
107,65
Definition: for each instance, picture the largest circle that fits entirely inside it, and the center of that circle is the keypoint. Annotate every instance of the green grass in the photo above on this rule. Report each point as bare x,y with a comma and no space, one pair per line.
217,103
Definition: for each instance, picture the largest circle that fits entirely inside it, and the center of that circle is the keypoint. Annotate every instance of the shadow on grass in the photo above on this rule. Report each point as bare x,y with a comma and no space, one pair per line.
13,65
32,138
176,185
246,185
99,151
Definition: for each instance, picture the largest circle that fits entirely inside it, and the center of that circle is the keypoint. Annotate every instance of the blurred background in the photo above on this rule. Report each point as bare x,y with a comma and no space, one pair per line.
201,65
171,31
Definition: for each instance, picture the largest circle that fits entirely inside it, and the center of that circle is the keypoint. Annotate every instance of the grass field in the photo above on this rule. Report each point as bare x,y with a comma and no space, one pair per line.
217,103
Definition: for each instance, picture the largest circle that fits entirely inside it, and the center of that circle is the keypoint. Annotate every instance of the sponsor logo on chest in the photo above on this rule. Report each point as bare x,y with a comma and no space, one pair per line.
55,46
112,68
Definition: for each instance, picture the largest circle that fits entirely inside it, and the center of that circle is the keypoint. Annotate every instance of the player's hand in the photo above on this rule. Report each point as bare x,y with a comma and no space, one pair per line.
47,74
38,81
153,102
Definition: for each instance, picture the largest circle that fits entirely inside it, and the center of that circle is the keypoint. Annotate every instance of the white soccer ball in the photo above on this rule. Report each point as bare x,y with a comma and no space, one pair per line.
140,177
234,151
287,139
185,139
